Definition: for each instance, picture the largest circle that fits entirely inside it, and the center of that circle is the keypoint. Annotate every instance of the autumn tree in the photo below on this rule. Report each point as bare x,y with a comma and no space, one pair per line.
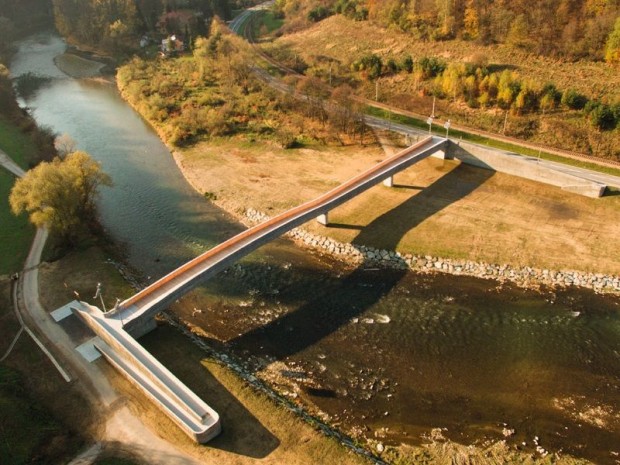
612,47
60,195
471,21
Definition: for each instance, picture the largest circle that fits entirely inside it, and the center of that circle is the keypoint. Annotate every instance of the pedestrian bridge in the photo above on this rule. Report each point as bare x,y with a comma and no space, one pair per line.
117,329
136,313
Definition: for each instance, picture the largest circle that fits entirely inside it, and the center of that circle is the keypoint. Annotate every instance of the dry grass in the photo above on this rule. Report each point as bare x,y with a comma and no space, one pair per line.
437,208
80,271
346,41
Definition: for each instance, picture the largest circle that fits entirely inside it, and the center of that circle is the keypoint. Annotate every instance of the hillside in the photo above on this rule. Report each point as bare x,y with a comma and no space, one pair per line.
347,47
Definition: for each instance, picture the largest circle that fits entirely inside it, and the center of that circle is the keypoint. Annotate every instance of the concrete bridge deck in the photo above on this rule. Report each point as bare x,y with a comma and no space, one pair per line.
120,349
135,314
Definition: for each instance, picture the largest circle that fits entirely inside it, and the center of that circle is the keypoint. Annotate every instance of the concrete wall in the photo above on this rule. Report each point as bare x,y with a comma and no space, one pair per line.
524,167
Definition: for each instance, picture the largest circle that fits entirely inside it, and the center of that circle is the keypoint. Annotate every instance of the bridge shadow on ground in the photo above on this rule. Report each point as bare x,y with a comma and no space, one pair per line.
242,433
324,313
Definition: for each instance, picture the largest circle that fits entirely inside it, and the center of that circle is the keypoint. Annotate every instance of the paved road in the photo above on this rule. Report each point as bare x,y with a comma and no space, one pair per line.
10,165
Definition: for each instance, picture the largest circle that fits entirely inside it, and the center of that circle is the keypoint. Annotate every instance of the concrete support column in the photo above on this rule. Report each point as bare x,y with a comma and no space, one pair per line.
143,326
322,219
389,182
439,154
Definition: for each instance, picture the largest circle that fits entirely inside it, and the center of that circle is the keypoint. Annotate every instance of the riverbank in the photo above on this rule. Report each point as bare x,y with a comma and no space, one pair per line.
441,216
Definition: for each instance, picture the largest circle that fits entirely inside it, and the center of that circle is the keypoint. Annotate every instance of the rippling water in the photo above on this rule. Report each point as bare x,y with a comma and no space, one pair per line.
376,349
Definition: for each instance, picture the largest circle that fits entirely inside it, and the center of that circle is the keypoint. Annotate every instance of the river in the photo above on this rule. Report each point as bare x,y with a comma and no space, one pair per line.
388,353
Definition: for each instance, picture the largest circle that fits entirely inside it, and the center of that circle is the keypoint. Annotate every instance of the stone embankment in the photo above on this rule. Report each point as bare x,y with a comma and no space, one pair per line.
522,276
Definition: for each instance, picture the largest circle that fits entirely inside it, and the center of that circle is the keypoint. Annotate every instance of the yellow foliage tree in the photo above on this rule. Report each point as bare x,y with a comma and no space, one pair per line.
60,195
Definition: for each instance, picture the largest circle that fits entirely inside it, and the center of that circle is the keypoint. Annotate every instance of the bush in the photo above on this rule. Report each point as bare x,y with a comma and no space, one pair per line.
319,13
407,64
574,100
431,67
602,117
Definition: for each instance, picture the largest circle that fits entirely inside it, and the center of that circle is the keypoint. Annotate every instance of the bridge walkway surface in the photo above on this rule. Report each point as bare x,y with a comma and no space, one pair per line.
135,311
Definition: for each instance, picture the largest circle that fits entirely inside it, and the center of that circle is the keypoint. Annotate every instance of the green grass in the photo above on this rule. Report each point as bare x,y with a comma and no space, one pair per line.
270,22
26,427
31,428
15,143
478,139
16,233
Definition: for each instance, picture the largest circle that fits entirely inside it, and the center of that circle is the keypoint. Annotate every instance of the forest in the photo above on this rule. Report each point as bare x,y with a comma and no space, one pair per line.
572,29
115,25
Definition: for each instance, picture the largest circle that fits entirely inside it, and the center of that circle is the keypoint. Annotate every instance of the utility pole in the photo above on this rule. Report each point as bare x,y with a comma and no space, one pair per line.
433,111
377,90
447,126
429,121
505,123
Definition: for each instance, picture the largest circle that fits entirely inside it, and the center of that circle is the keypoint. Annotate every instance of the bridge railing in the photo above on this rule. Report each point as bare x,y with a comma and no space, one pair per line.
314,204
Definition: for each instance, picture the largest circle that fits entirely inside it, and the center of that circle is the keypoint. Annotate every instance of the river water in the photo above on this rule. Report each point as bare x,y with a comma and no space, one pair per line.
388,353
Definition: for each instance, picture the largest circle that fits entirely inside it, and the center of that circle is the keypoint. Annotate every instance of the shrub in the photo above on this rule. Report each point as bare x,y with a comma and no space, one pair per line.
574,100
407,64
431,67
319,13
602,118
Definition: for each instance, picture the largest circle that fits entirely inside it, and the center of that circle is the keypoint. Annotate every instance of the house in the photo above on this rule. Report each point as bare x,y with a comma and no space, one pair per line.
172,44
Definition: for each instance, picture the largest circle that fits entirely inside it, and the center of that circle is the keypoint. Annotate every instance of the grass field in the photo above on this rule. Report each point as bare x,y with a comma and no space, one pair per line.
437,207
270,23
16,233
15,143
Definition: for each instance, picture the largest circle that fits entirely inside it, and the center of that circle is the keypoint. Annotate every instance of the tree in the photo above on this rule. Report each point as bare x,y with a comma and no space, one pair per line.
471,22
574,100
60,195
612,47
64,145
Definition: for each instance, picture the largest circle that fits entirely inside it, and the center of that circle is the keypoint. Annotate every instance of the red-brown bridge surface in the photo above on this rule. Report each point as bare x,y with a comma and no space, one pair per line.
137,311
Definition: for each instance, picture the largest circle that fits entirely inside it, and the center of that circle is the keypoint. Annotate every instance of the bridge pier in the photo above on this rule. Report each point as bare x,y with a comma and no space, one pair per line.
441,154
322,219
141,327
389,182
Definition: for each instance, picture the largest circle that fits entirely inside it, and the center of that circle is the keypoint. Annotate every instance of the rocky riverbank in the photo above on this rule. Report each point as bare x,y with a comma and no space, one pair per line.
525,276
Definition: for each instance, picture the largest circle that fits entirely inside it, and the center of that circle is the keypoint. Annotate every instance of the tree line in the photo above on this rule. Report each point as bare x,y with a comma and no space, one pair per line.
569,28
480,87
116,24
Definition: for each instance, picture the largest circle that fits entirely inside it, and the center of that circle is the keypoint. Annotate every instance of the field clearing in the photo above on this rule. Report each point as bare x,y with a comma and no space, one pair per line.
437,207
